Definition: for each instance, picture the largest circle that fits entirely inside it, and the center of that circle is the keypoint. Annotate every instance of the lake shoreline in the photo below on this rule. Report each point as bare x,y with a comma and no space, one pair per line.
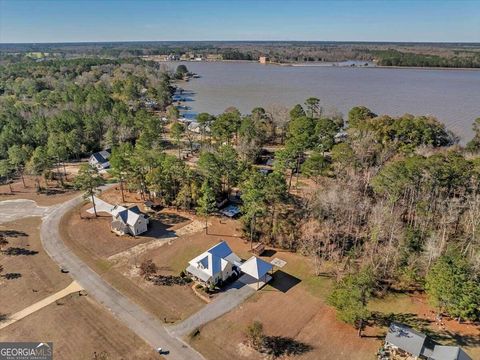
320,64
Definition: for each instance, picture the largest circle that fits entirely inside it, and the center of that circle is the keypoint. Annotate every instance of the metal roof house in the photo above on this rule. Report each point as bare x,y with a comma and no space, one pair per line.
405,339
215,265
128,221
441,352
100,159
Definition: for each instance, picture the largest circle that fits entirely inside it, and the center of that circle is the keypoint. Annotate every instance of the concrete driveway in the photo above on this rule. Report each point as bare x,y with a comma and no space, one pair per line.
16,209
101,206
233,296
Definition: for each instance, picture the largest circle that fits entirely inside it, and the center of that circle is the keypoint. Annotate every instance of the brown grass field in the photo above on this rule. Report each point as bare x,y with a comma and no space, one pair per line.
40,276
92,240
78,328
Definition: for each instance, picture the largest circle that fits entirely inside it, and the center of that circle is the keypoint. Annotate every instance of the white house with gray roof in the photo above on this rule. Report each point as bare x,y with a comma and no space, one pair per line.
128,220
100,159
216,264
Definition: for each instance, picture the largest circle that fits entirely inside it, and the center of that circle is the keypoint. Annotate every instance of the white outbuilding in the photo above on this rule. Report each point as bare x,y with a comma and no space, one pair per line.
256,270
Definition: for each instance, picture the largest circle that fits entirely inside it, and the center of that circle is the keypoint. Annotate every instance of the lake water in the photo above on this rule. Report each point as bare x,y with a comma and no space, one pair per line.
453,96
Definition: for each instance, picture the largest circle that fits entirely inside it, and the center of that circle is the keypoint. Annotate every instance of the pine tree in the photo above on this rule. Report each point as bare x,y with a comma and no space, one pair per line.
89,180
206,203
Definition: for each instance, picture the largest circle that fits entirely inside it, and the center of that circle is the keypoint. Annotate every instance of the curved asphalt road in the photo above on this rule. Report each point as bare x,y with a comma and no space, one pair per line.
138,320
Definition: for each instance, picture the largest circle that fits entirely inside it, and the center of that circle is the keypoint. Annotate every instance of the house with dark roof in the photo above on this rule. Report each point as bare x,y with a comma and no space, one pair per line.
441,352
100,159
128,221
215,265
404,340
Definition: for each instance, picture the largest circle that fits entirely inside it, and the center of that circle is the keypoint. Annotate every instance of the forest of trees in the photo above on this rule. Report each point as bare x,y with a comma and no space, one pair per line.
397,58
386,54
59,110
389,203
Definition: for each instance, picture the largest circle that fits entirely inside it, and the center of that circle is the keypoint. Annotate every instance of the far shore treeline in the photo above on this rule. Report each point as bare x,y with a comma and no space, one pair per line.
447,55
379,203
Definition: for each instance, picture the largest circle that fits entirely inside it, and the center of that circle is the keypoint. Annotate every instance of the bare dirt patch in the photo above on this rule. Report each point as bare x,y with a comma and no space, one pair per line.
38,276
78,328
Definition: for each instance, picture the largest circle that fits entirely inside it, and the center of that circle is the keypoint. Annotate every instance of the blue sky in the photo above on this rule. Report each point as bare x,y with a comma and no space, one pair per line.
108,20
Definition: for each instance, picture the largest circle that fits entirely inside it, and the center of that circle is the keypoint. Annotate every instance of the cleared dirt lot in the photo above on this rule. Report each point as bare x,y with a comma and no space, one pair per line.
39,276
78,328
53,195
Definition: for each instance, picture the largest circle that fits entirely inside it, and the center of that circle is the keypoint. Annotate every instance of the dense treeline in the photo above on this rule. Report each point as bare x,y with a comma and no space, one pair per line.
400,209
387,54
398,58
58,110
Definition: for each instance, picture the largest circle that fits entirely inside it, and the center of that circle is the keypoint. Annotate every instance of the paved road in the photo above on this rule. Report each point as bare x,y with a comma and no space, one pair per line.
231,298
138,320
16,209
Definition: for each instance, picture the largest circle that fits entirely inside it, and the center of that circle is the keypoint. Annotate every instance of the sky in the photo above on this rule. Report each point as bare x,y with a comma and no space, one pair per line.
162,20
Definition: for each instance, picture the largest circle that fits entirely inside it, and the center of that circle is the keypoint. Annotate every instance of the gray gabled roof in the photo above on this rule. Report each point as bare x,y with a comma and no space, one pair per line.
409,340
441,352
102,156
128,216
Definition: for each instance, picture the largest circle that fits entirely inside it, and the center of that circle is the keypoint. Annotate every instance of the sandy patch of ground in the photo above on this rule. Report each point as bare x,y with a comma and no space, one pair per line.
56,194
114,196
78,328
74,287
140,249
39,275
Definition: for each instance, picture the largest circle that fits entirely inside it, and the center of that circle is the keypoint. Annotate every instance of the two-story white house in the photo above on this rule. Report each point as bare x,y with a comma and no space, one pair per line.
128,221
216,264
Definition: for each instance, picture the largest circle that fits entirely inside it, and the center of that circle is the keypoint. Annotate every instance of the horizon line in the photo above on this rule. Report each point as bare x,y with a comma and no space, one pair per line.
239,41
